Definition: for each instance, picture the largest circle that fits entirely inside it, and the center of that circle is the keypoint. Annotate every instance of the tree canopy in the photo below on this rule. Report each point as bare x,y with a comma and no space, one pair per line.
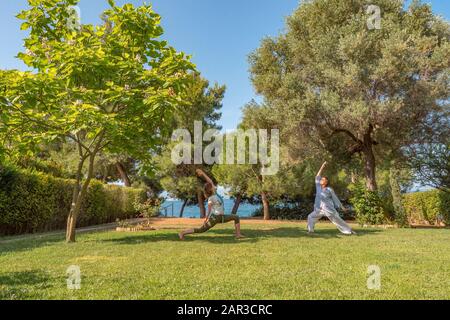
349,89
112,87
201,102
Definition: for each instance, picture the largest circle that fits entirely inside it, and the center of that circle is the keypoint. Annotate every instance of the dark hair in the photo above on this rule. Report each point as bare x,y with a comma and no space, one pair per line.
208,189
328,180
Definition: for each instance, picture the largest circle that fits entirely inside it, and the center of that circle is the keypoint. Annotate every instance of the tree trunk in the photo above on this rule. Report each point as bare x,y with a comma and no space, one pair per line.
237,202
265,202
182,208
201,203
79,198
400,215
80,193
71,223
123,174
369,162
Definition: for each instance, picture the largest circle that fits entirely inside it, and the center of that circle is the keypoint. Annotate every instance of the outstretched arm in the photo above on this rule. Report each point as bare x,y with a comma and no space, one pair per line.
319,174
201,173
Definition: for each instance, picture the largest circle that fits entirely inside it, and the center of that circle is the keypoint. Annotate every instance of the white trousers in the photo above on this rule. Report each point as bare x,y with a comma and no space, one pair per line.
334,217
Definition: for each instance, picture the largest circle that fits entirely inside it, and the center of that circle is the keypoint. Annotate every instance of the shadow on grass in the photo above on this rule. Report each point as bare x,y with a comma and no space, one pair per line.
226,236
29,244
215,235
13,285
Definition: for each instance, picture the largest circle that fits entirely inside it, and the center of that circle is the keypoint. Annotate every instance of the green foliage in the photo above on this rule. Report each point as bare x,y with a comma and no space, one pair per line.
109,88
297,211
180,181
400,216
294,180
428,206
332,83
34,202
367,205
429,154
149,208
116,81
201,102
246,179
238,179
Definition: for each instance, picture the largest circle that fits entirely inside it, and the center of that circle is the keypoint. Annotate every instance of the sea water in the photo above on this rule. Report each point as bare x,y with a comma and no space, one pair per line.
173,207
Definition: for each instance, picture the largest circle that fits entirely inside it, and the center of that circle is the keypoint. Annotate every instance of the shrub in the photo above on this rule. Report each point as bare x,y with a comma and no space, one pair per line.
368,205
35,202
399,211
149,208
297,211
427,206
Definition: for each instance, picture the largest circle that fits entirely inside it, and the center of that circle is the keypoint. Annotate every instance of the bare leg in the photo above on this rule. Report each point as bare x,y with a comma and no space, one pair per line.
205,227
237,226
185,232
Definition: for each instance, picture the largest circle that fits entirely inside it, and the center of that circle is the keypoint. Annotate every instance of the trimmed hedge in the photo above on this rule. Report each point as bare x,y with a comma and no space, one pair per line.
427,206
298,212
35,202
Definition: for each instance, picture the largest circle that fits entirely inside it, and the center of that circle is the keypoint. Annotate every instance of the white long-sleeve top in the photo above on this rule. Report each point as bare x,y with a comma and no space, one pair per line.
326,199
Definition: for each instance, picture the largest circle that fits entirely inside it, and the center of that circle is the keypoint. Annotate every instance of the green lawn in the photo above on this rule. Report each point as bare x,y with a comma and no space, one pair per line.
276,261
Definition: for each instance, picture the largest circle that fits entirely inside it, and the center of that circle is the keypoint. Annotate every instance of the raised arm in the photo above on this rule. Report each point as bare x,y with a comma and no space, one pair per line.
319,174
201,173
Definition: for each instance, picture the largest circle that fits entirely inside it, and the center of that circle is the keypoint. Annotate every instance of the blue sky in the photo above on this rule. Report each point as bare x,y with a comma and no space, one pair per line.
219,34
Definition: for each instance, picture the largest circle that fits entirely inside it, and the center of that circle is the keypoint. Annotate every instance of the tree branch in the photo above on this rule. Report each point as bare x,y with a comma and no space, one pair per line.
347,132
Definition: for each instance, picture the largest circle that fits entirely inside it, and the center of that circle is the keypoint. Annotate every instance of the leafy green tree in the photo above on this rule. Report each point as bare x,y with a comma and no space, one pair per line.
110,88
245,183
246,180
60,159
344,87
201,102
258,117
180,181
236,179
57,158
114,167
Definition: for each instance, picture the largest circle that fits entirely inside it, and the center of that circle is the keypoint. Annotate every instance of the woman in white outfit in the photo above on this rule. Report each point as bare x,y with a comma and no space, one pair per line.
325,205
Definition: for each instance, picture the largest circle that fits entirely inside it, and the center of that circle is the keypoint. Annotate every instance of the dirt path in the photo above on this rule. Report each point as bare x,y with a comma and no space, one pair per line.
177,223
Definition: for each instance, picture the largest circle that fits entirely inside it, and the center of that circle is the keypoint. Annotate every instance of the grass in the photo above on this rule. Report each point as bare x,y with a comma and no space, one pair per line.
275,261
